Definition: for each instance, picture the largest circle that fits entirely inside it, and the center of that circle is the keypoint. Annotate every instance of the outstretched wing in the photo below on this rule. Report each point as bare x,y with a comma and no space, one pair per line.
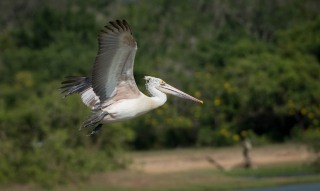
112,75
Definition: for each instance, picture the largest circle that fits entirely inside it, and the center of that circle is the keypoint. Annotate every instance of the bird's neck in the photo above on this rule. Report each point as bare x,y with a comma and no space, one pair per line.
158,98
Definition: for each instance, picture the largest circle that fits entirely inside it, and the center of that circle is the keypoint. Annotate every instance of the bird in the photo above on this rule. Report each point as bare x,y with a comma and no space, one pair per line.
111,92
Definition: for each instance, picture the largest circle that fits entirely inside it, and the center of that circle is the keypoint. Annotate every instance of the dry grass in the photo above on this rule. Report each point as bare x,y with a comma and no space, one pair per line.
228,158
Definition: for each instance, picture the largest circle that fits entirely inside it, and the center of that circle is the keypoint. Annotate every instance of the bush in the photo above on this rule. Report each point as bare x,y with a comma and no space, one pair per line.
39,136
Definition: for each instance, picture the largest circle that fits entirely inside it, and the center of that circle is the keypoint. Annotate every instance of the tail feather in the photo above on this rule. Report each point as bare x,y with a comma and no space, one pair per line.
74,84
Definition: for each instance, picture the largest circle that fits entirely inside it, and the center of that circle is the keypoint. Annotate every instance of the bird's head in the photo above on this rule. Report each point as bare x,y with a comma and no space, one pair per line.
159,84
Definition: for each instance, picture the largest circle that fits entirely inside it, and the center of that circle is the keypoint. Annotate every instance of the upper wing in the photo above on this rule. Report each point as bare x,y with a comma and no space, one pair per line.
112,73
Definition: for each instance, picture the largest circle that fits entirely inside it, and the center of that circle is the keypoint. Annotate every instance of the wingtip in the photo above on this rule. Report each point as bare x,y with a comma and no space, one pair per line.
119,25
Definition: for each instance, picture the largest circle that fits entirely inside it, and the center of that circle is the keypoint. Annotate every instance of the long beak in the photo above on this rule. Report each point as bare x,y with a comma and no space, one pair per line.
166,88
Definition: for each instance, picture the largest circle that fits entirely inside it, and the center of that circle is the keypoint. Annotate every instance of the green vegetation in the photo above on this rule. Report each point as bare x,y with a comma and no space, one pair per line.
256,65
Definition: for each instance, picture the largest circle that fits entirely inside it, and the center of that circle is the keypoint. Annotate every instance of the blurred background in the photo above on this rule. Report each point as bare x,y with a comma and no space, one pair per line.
256,65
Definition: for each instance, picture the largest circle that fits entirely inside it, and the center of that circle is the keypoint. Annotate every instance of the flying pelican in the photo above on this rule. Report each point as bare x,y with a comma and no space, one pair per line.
111,93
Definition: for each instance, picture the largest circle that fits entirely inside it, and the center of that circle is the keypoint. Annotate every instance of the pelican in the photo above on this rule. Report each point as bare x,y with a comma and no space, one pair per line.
112,93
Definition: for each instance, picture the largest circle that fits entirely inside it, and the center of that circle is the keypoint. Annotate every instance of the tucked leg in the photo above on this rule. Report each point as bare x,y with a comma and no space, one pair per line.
95,118
95,130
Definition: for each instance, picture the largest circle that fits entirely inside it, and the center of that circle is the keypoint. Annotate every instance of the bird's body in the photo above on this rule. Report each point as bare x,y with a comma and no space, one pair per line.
111,93
129,108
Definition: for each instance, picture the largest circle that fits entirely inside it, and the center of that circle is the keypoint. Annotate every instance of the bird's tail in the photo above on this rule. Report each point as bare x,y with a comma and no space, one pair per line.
74,84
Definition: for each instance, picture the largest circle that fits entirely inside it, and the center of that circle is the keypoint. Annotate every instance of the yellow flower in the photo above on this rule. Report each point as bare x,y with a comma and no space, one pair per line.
244,133
310,115
224,133
197,94
217,101
227,86
290,103
303,111
236,138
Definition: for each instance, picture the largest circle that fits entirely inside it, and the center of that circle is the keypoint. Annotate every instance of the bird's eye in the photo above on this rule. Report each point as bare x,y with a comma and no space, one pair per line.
162,82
